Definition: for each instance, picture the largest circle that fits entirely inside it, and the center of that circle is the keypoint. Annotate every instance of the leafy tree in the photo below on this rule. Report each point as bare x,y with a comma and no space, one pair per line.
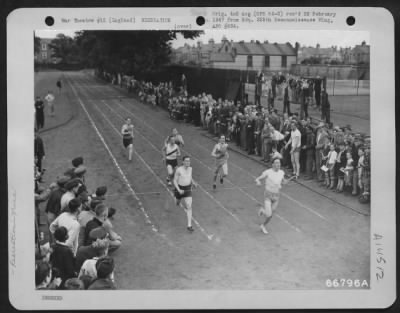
65,48
127,51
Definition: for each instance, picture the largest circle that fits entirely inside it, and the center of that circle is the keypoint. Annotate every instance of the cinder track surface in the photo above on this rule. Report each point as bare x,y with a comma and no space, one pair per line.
311,238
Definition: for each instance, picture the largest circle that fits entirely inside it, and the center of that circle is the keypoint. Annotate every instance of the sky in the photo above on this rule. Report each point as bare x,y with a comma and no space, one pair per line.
305,37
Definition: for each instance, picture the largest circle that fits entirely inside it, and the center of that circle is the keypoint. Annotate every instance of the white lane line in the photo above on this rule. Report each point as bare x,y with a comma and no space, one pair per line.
142,209
209,236
199,185
285,195
313,211
231,163
236,187
162,191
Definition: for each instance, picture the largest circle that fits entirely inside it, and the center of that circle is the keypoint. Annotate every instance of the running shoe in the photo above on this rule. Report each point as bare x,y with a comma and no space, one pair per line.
169,183
214,186
190,228
221,180
263,229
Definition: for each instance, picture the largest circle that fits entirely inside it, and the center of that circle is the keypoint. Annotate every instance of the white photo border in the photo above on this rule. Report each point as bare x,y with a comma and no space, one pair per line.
22,23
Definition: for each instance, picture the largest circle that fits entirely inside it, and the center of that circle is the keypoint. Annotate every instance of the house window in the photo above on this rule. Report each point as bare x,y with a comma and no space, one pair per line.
44,46
266,61
44,55
284,61
249,61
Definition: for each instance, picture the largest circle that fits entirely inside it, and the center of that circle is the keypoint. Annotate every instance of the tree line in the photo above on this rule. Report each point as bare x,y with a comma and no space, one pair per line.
116,51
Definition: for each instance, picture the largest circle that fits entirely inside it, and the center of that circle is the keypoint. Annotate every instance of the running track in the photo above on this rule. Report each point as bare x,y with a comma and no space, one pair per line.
311,238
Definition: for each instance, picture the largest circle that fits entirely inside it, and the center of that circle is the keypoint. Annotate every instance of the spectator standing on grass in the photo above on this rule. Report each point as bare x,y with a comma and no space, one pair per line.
286,98
266,136
332,159
355,156
360,166
69,220
50,102
295,142
340,166
321,138
348,171
317,90
39,113
38,151
325,107
62,257
309,149
250,135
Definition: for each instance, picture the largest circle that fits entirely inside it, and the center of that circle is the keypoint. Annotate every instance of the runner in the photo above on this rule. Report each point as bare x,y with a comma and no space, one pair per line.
183,189
274,178
171,152
220,153
178,138
127,137
50,102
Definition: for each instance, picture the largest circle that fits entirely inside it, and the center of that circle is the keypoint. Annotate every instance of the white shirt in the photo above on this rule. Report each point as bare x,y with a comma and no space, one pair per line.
66,198
89,268
295,136
127,131
170,148
49,98
183,176
273,181
69,221
332,156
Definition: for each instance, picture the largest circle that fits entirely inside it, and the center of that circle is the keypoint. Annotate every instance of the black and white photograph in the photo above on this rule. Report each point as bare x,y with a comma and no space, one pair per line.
202,159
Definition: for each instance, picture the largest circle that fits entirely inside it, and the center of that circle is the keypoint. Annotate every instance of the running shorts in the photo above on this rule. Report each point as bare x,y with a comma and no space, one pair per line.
272,196
172,162
127,141
187,192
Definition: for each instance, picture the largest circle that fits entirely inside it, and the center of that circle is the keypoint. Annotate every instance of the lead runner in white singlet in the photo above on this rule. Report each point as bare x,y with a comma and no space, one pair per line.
274,178
183,188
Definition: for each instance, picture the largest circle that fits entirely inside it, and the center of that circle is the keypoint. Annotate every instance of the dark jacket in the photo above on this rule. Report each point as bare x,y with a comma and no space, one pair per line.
63,259
84,253
101,284
54,203
94,223
39,147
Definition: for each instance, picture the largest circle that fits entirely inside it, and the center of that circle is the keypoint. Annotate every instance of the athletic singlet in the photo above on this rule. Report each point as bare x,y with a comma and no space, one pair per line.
127,131
221,157
184,177
274,180
171,152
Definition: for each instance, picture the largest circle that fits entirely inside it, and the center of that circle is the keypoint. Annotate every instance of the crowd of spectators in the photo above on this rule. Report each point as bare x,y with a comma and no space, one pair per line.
75,254
337,157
